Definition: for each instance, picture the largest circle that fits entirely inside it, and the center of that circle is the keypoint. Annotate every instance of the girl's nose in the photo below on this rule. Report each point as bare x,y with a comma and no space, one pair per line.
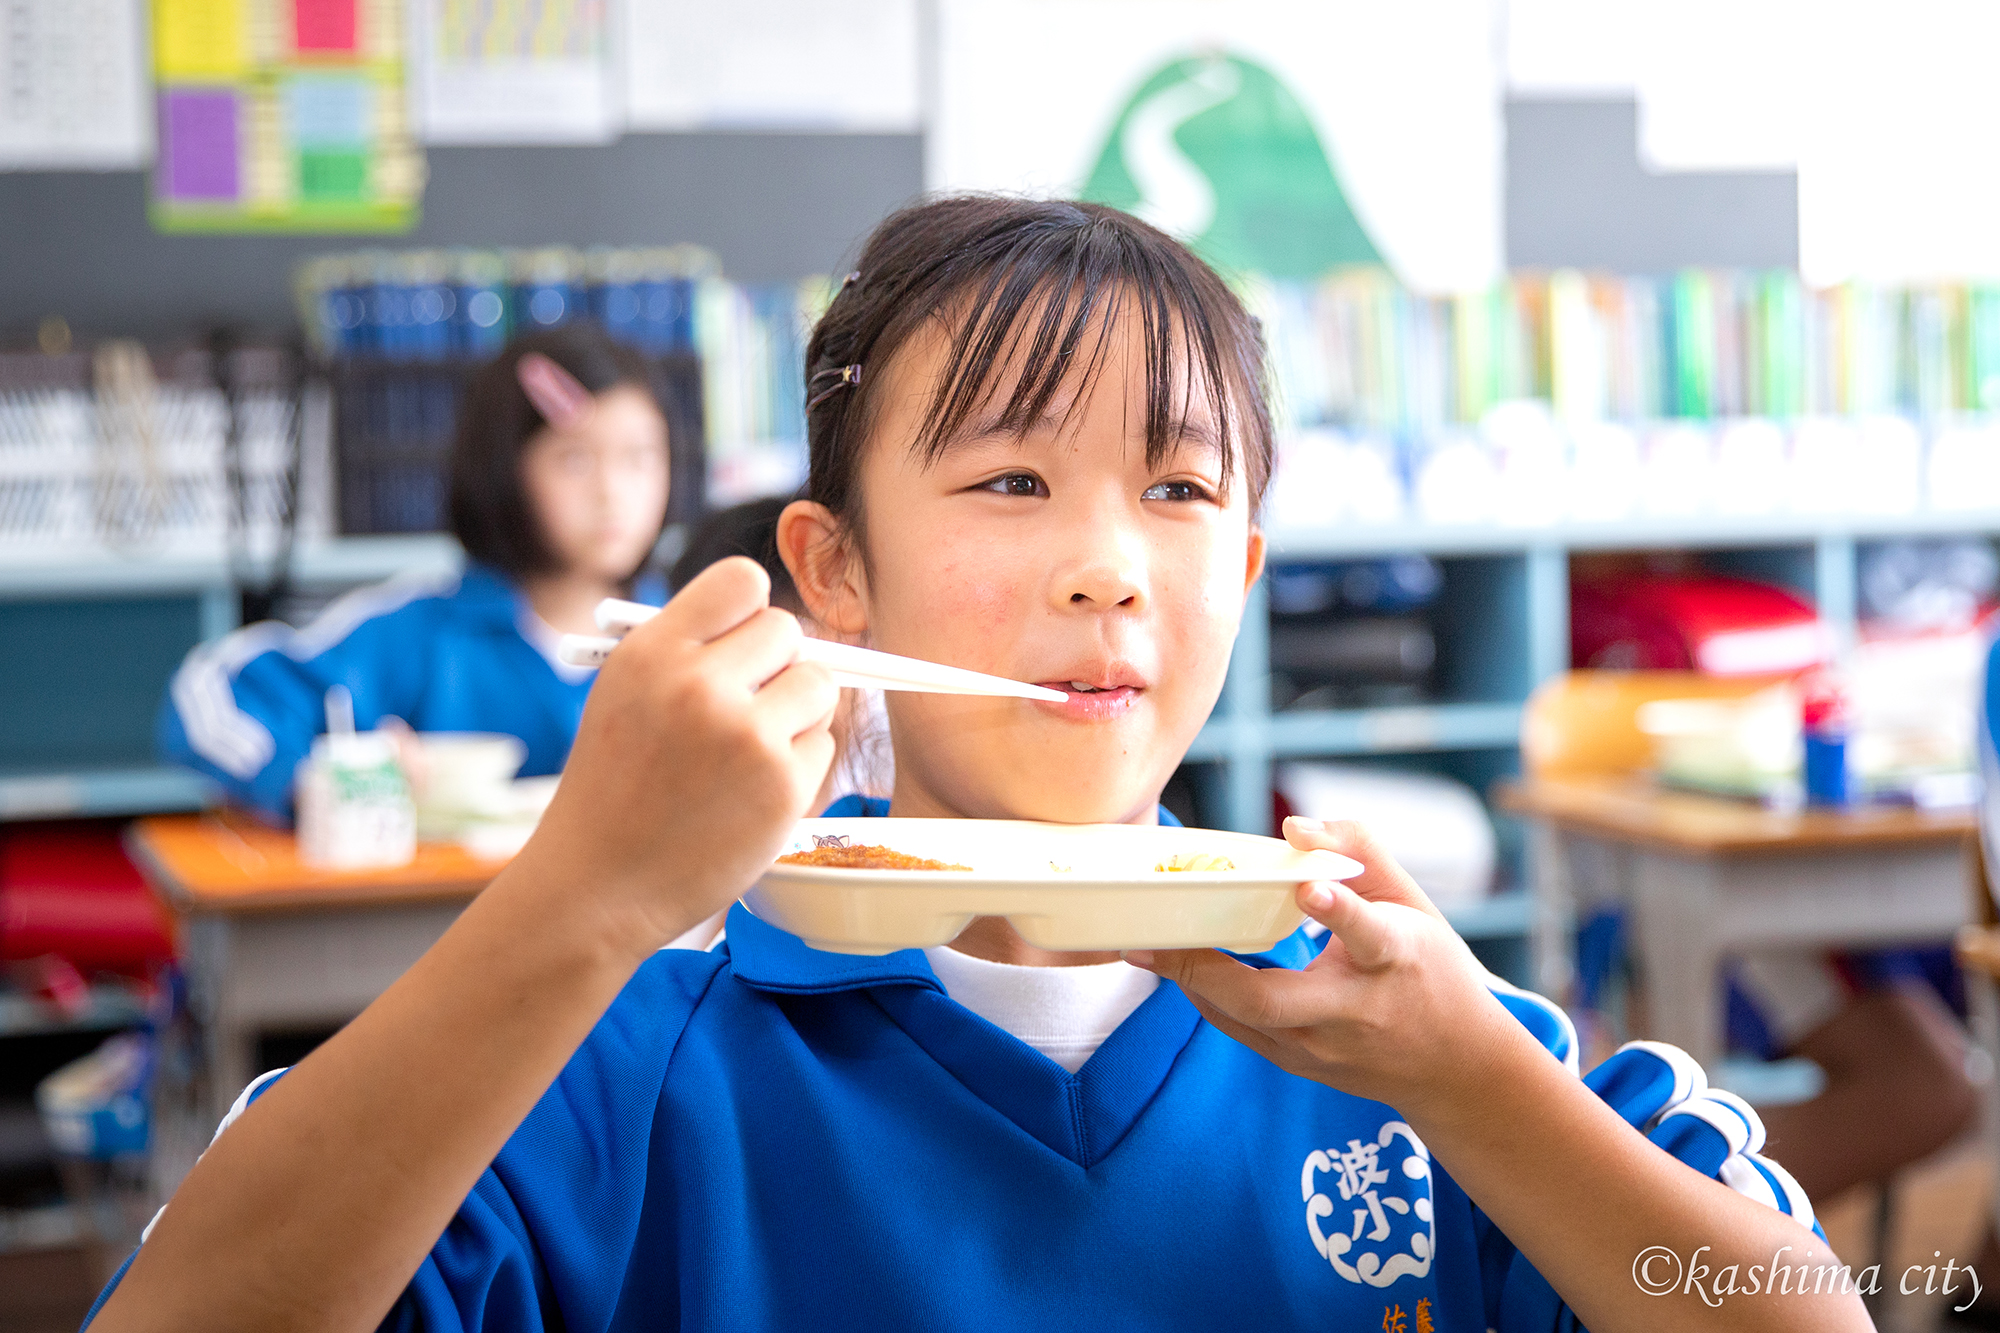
1101,563
1102,583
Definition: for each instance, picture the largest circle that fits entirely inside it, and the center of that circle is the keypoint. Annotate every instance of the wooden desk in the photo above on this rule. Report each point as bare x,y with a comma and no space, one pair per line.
273,944
1704,878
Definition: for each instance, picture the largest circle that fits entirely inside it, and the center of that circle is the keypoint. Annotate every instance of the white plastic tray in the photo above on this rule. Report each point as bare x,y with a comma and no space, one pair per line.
1106,896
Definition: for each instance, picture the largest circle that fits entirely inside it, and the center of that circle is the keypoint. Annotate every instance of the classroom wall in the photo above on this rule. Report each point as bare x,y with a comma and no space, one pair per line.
1577,196
782,206
775,207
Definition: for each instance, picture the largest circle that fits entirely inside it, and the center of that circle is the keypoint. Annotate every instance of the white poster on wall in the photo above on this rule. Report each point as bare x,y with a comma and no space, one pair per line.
1739,105
73,87
1575,49
837,65
1896,167
1278,136
514,71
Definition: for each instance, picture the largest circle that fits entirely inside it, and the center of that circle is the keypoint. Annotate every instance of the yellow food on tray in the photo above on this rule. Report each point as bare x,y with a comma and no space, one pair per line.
1196,861
839,854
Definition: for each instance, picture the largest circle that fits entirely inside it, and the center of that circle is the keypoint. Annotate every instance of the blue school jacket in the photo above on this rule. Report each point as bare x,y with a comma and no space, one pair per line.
765,1136
442,653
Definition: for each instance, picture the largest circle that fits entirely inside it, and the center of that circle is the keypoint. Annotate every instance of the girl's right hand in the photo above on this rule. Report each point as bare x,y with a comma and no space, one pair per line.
701,746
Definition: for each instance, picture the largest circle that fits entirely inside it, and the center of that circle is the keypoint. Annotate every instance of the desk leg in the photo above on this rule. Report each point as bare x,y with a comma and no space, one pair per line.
226,1043
1675,906
1552,919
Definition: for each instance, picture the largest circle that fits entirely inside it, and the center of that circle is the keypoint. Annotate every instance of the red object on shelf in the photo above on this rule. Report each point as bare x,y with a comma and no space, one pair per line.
70,890
1718,626
1823,706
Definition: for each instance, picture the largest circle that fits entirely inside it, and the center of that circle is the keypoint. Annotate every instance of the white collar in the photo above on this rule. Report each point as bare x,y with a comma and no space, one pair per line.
1063,1012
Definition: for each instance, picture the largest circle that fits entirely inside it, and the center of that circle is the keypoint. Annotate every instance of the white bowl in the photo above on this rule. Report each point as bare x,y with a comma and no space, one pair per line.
1071,887
464,775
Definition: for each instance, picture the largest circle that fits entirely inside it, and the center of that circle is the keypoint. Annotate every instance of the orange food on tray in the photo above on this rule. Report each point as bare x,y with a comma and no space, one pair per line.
1196,861
839,854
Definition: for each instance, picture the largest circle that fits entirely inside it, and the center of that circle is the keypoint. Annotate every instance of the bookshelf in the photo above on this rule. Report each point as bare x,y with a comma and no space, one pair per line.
1244,737
1521,614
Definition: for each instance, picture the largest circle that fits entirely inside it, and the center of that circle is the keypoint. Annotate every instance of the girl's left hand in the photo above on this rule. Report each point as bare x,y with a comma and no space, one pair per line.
1395,1008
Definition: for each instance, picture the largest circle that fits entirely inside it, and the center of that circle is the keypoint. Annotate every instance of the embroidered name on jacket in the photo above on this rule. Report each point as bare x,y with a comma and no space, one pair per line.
1384,1186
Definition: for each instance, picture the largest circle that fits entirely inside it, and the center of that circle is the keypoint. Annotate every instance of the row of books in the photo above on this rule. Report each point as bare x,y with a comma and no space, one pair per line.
1523,467
1354,352
435,305
431,306
1358,350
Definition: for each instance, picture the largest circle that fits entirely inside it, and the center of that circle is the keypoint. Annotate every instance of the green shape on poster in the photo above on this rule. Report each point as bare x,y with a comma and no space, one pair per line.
333,174
1216,150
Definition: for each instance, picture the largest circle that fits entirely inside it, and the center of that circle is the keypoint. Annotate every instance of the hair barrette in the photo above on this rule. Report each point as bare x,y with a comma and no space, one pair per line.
848,281
563,402
846,375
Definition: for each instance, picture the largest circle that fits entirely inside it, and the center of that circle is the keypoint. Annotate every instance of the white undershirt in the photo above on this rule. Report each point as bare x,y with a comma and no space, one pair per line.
1063,1012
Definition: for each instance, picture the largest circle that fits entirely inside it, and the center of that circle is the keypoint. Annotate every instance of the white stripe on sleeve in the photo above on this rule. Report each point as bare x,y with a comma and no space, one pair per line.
236,1109
1725,1120
1688,1076
1796,1203
1495,982
1751,1120
1742,1175
203,689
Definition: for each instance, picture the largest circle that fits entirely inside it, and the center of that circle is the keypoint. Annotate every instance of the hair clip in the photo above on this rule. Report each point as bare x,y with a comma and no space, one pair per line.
849,281
847,375
563,402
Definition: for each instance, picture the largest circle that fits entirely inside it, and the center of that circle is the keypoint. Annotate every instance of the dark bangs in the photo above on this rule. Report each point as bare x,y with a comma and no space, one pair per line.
1038,286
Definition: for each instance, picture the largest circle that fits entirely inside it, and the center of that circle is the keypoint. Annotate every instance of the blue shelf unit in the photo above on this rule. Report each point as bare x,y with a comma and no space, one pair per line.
88,642
1503,628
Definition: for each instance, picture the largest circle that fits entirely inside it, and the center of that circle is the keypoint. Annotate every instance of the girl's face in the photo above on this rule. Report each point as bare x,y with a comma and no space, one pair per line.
599,490
1062,558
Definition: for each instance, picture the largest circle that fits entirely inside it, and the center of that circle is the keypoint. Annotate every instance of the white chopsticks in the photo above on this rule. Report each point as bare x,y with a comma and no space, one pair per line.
856,668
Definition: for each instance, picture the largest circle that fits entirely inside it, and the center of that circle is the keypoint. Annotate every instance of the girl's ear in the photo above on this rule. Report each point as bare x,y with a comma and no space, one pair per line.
1254,566
825,567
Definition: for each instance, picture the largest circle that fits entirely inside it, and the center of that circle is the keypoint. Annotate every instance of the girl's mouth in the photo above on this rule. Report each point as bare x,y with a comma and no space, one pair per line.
1091,703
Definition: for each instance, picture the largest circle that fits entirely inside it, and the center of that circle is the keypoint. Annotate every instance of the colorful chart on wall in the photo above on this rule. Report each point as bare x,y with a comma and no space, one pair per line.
282,115
1276,136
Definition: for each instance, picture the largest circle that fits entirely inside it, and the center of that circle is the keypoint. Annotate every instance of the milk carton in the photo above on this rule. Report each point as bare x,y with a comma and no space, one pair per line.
355,811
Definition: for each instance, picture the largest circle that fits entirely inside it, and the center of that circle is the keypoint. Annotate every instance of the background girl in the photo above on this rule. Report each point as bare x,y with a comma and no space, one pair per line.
1049,472
559,480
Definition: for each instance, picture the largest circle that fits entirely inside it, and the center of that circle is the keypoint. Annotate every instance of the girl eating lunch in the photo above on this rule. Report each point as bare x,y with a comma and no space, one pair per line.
1039,439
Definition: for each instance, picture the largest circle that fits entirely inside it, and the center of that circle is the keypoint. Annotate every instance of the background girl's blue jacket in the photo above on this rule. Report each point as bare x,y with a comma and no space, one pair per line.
443,654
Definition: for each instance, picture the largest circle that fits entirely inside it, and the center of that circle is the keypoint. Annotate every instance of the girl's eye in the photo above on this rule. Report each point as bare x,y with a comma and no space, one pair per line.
1180,491
1016,483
